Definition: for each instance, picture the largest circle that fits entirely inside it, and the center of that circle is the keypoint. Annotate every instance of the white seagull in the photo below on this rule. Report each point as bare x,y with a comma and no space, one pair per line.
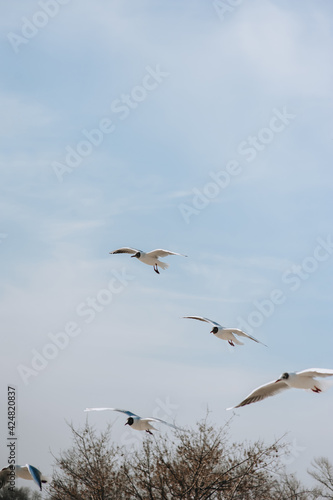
226,333
136,422
299,380
24,472
149,258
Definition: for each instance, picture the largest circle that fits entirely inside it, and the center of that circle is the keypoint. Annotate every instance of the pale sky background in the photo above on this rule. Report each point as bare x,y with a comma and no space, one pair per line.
225,76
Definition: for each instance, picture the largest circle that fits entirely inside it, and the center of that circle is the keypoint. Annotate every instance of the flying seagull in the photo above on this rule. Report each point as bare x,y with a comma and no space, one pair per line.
226,333
299,380
136,422
24,472
149,258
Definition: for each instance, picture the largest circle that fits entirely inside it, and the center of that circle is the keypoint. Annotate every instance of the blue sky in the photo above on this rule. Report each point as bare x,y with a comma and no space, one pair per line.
244,97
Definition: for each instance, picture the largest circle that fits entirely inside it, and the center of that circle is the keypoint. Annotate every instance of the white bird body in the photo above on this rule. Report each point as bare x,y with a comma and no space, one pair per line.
305,379
142,424
149,258
136,422
28,472
228,334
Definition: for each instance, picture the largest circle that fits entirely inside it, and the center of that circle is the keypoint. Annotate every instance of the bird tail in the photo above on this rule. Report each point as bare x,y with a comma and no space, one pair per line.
323,385
238,342
162,265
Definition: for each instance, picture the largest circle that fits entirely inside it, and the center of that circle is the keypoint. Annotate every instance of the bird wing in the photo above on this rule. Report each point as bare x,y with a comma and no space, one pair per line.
35,474
316,372
152,419
206,320
262,392
126,250
129,413
4,473
243,334
162,253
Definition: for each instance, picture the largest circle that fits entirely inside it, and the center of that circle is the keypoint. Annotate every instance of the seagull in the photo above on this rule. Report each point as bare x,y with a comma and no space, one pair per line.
136,422
226,333
24,472
149,258
299,380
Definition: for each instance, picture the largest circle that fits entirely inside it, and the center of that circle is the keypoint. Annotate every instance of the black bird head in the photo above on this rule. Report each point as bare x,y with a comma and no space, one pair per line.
284,376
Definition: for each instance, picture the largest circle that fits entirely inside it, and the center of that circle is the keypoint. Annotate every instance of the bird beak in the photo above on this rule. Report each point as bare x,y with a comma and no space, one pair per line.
133,256
278,380
126,423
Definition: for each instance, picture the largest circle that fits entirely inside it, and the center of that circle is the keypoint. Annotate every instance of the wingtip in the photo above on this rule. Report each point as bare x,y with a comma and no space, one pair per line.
35,474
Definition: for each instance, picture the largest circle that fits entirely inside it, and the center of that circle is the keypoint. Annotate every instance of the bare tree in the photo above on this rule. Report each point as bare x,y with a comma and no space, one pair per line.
88,470
19,494
290,488
203,465
322,472
198,465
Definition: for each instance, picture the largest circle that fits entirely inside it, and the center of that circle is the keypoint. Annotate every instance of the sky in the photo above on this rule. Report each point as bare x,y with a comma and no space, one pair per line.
201,127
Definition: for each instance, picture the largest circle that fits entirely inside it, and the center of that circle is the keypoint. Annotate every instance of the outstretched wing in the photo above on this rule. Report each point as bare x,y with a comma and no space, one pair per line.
36,475
263,392
316,372
129,413
152,419
242,334
126,250
162,253
206,320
